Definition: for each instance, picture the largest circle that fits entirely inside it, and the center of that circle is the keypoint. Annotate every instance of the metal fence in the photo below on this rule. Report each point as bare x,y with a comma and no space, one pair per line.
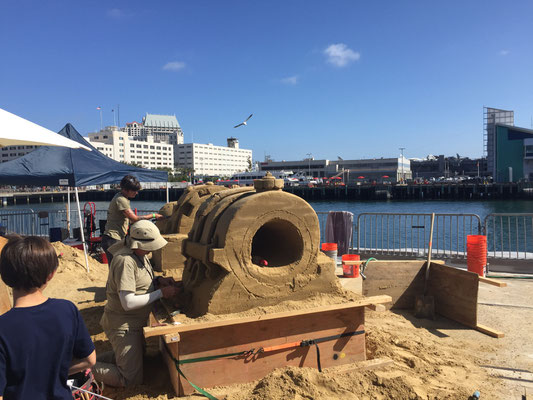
39,223
509,236
409,234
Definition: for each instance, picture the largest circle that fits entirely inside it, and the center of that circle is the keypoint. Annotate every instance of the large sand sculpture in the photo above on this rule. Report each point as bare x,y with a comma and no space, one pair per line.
249,247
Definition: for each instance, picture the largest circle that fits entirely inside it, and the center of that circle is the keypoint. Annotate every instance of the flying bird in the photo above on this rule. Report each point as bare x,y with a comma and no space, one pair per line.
243,123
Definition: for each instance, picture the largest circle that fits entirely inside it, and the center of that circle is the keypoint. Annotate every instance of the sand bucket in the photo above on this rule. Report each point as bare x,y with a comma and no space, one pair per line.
476,253
350,271
330,249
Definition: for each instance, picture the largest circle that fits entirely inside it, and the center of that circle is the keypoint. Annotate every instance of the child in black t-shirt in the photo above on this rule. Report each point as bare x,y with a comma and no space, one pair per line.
42,340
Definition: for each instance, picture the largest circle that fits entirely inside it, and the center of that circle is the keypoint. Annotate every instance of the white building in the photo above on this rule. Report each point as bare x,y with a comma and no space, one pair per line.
207,159
11,152
146,152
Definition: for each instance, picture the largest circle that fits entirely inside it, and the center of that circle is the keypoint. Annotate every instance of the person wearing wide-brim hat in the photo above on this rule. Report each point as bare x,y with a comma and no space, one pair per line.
130,290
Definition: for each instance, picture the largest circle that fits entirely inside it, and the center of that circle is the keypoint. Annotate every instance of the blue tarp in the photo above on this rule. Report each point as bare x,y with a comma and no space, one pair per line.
61,166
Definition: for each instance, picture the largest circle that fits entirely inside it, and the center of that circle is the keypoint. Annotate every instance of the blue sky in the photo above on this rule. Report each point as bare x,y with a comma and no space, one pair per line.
355,79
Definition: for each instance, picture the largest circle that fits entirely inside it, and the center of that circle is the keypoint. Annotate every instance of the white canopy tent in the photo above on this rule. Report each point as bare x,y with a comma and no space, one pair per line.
15,130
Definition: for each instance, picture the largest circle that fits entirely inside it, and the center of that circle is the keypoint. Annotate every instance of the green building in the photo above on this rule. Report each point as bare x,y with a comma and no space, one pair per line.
512,158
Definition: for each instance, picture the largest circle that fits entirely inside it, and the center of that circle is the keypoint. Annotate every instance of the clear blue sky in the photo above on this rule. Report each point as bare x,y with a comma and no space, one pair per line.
356,79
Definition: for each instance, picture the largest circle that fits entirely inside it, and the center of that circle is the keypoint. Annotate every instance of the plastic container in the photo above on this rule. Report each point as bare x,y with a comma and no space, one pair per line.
330,249
476,253
350,271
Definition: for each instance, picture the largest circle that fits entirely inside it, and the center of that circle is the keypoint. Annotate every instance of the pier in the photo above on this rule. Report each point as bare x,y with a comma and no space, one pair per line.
434,191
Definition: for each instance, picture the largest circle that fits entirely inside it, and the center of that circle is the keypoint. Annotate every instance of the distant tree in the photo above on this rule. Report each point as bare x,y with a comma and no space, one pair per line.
249,164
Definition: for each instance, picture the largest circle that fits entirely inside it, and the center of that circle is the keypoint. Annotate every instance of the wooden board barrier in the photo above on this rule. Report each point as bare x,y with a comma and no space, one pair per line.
455,292
402,280
231,336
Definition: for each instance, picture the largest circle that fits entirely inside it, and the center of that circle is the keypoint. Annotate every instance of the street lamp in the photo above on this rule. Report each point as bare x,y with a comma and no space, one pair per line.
309,155
403,177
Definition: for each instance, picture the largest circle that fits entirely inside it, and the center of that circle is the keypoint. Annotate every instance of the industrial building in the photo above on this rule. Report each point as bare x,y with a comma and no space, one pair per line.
380,169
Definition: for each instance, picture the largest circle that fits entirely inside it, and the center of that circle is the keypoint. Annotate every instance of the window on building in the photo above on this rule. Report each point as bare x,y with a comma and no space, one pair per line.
528,151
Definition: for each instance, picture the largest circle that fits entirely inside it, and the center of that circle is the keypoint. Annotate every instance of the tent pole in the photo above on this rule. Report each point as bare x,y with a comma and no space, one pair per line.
81,229
68,211
168,201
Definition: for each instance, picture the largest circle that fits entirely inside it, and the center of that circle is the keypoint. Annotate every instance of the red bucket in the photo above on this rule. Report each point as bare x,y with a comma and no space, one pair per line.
476,253
350,271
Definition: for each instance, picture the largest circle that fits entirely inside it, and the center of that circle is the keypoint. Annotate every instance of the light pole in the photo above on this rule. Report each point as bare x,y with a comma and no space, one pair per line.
309,155
403,177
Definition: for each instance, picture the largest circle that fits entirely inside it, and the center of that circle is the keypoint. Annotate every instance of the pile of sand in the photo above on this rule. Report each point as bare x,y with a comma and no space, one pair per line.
432,359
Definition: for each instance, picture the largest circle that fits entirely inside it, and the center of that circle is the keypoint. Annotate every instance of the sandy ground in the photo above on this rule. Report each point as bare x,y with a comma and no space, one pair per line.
432,359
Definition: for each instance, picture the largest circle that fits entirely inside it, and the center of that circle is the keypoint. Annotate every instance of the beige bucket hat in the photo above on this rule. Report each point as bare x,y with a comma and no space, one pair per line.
144,235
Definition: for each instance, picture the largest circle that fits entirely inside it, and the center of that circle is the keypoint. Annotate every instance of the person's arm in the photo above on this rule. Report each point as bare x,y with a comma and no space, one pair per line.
134,218
131,301
78,365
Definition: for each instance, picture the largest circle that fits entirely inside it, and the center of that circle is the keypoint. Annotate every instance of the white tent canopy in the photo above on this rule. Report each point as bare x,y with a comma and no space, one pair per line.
15,130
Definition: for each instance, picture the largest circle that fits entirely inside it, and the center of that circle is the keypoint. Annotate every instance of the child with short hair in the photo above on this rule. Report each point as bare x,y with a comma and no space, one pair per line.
42,340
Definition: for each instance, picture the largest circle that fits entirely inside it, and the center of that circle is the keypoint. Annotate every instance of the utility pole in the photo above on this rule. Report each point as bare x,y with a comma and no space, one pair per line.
309,155
402,174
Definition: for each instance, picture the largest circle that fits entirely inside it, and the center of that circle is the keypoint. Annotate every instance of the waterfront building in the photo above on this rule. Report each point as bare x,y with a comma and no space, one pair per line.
513,154
491,117
211,160
9,153
140,150
447,167
377,169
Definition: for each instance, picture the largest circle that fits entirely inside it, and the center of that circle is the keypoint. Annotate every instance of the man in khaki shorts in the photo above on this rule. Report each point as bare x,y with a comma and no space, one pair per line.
119,214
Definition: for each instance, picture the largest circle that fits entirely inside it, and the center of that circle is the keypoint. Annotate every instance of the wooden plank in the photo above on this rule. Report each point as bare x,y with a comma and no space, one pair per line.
163,330
455,292
5,299
376,307
492,282
175,378
401,280
489,331
226,339
376,363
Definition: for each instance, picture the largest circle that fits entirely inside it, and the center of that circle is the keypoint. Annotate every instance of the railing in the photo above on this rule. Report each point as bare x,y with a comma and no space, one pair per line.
408,234
509,235
30,222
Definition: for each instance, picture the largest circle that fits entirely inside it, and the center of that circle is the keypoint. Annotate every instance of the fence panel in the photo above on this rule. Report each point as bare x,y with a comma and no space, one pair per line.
404,234
509,235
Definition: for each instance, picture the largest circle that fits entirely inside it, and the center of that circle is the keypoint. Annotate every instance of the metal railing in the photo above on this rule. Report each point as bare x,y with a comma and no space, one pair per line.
509,235
30,222
406,234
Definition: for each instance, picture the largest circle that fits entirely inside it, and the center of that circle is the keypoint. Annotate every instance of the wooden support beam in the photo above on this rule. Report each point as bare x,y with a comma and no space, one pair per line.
166,329
492,282
489,331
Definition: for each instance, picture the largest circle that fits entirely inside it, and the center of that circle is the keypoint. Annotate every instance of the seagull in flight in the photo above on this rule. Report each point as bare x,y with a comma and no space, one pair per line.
243,123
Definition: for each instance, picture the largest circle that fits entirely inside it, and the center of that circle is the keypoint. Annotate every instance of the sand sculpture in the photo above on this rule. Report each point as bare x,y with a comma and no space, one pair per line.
248,247
177,224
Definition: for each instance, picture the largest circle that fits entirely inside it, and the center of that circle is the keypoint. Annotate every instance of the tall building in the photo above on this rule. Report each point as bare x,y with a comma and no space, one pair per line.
491,117
207,159
144,151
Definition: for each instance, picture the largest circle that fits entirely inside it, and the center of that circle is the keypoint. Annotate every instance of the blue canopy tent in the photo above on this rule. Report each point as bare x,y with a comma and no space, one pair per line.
61,166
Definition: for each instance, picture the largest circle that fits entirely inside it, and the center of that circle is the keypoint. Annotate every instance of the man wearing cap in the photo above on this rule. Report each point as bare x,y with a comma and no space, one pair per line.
130,291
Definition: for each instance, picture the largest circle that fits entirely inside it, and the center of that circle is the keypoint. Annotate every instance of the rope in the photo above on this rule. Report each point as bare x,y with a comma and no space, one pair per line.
363,267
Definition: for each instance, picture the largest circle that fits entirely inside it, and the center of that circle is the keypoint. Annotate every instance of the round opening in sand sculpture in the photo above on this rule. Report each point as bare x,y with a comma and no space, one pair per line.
277,243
